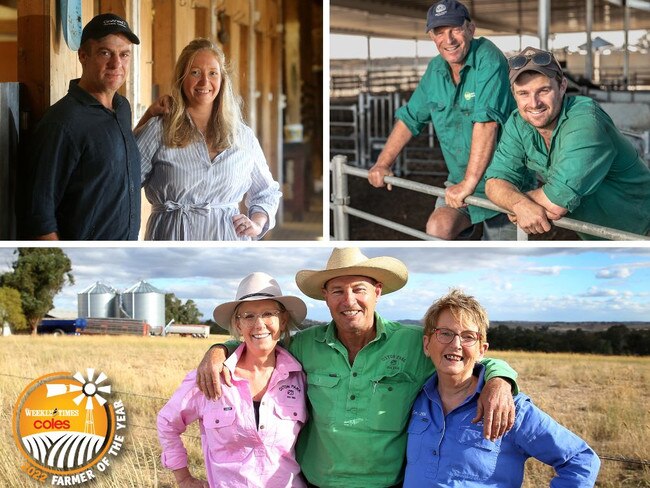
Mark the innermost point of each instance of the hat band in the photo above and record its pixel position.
(257, 295)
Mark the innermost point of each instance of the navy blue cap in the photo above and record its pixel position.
(104, 24)
(446, 13)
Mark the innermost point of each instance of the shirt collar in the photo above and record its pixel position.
(284, 362)
(86, 98)
(430, 388)
(563, 113)
(328, 334)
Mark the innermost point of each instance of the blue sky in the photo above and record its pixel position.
(513, 283)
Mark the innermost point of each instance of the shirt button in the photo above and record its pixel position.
(216, 421)
(435, 453)
(390, 388)
(261, 427)
(295, 414)
(352, 397)
(354, 374)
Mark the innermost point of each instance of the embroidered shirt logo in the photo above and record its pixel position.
(469, 95)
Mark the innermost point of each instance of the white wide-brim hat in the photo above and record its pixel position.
(349, 261)
(260, 286)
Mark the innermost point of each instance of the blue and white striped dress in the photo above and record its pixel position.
(195, 198)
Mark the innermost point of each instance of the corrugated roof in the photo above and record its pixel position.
(407, 19)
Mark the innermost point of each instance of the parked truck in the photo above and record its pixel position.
(192, 330)
(97, 326)
(61, 327)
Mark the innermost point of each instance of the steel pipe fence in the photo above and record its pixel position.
(340, 206)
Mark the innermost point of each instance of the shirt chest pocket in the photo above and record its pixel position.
(477, 456)
(537, 163)
(466, 102)
(295, 412)
(288, 420)
(417, 430)
(323, 392)
(390, 401)
(225, 441)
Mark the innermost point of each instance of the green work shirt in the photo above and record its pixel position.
(591, 169)
(356, 433)
(482, 95)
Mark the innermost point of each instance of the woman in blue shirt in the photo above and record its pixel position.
(446, 449)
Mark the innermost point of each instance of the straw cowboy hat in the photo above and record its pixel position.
(349, 261)
(260, 286)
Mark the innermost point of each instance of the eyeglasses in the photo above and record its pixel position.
(541, 58)
(250, 319)
(445, 336)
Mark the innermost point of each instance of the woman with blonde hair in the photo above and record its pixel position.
(199, 159)
(249, 434)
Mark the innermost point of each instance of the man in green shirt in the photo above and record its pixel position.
(465, 94)
(590, 171)
(363, 374)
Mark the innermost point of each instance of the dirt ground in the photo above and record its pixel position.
(408, 208)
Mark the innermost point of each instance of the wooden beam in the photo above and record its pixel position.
(8, 27)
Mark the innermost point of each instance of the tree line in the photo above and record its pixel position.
(617, 340)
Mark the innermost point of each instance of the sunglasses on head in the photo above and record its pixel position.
(542, 58)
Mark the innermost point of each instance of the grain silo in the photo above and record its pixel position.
(145, 302)
(98, 300)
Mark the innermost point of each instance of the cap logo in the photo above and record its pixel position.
(108, 22)
(441, 10)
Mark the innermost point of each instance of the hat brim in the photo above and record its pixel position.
(100, 34)
(550, 73)
(447, 21)
(391, 272)
(295, 306)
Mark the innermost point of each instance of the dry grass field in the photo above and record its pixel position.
(606, 400)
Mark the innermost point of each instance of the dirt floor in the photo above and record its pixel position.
(408, 208)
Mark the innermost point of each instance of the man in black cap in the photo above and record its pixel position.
(82, 180)
(465, 94)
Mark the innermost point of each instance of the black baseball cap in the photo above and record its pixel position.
(446, 13)
(104, 24)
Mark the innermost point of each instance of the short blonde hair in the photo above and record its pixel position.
(464, 308)
(285, 337)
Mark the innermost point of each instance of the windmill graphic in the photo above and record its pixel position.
(88, 389)
(67, 449)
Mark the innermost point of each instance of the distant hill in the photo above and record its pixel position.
(513, 324)
(562, 326)
(554, 326)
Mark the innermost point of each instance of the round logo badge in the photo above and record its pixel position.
(66, 428)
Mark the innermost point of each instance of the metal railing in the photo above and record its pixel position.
(340, 206)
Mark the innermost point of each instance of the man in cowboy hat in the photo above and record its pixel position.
(363, 374)
(590, 171)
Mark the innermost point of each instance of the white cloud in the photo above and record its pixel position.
(594, 291)
(613, 273)
(544, 270)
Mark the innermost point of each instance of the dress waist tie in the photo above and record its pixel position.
(183, 225)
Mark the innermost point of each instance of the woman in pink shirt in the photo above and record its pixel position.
(249, 434)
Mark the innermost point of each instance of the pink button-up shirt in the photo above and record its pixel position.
(236, 452)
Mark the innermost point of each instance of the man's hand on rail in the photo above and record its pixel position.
(530, 216)
(376, 176)
(455, 195)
